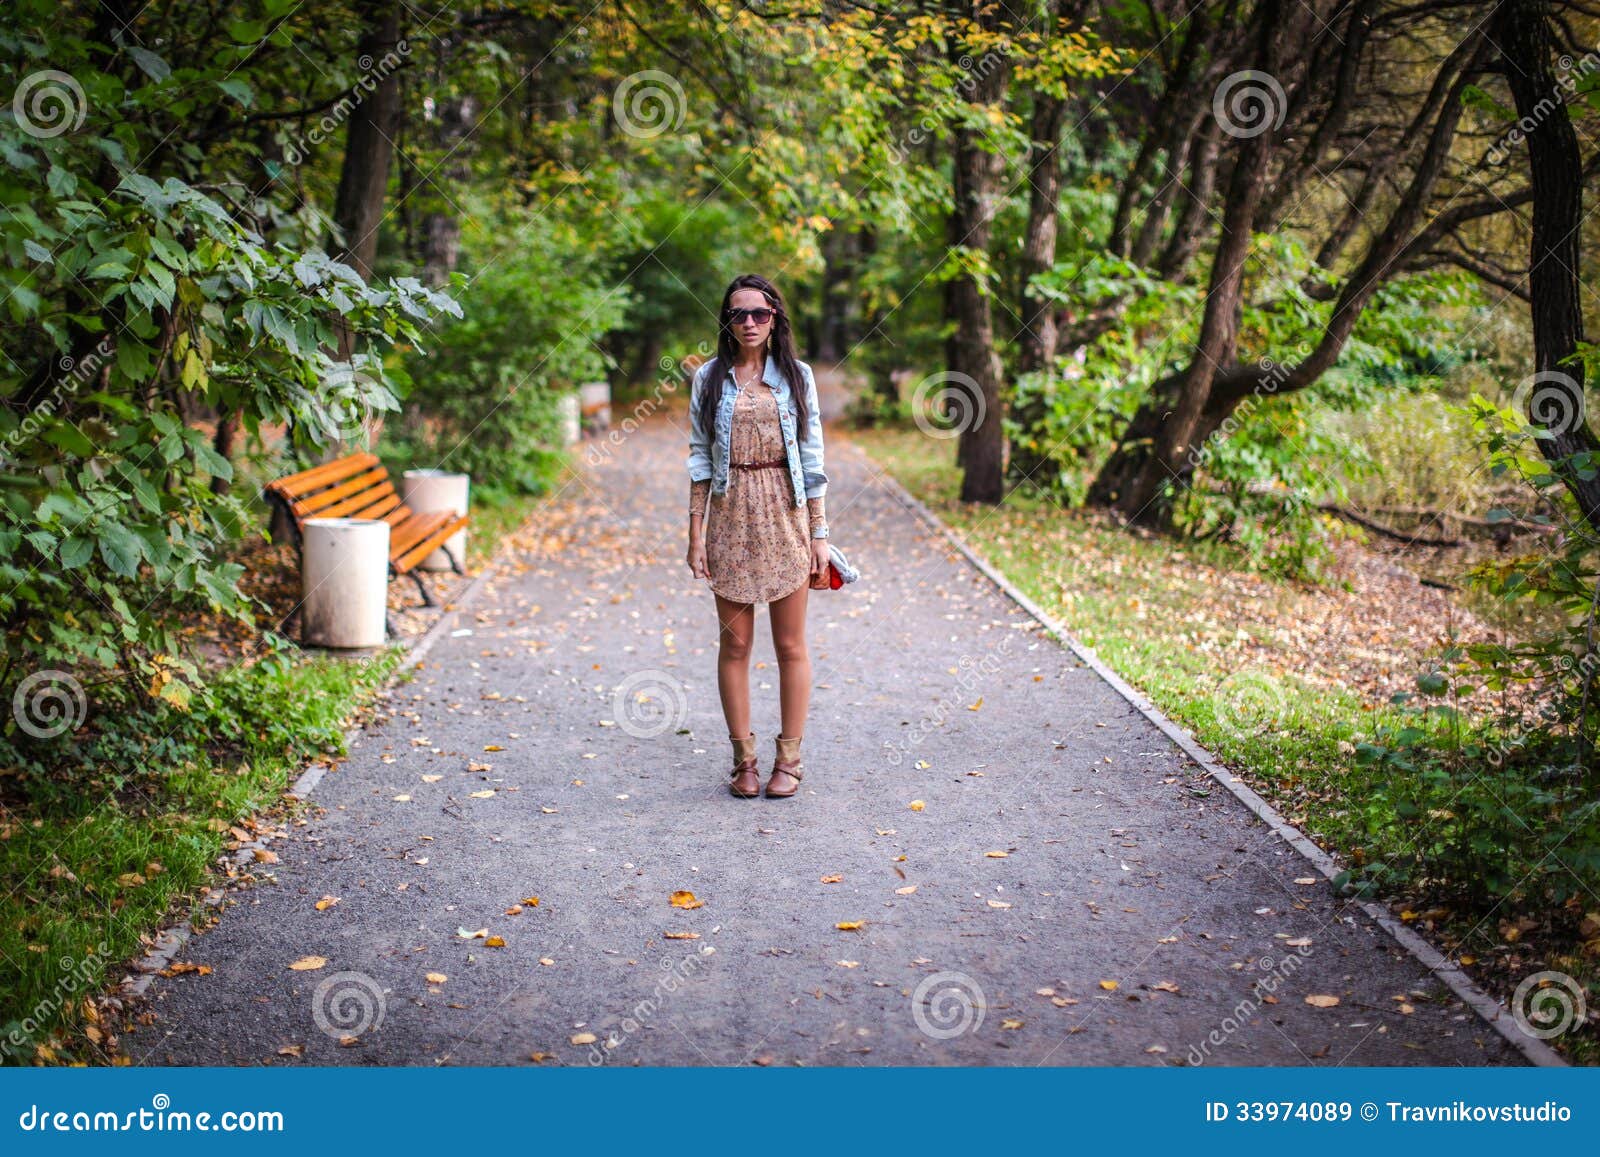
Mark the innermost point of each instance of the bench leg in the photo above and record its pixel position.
(422, 589)
(455, 563)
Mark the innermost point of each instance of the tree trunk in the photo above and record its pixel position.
(1522, 30)
(1145, 495)
(974, 363)
(1036, 344)
(373, 123)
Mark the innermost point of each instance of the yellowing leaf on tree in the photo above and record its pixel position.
(308, 963)
(682, 899)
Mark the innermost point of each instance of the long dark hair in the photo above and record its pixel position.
(780, 344)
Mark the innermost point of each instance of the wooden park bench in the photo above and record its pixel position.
(358, 486)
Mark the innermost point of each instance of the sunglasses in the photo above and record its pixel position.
(759, 316)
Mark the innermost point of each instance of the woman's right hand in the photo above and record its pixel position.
(696, 558)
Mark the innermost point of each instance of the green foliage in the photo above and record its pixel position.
(136, 302)
(485, 390)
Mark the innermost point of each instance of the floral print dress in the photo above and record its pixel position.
(758, 542)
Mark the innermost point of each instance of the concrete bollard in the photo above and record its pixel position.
(344, 582)
(427, 491)
(571, 417)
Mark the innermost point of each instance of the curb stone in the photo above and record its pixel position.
(1451, 975)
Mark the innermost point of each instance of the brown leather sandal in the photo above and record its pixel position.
(787, 763)
(746, 781)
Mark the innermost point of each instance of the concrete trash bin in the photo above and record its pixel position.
(428, 491)
(344, 581)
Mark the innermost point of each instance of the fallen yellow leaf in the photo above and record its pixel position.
(436, 978)
(308, 963)
(482, 794)
(999, 903)
(1109, 985)
(493, 747)
(326, 902)
(831, 879)
(681, 935)
(583, 1038)
(906, 891)
(997, 855)
(849, 925)
(495, 942)
(1011, 1022)
(917, 805)
(682, 899)
(1320, 1001)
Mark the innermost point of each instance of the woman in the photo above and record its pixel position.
(757, 529)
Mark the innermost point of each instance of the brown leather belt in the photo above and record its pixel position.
(773, 465)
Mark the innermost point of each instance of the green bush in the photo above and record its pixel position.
(485, 388)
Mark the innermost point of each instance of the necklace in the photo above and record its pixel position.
(742, 384)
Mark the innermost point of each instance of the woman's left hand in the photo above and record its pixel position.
(819, 558)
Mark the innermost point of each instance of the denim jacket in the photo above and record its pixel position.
(708, 457)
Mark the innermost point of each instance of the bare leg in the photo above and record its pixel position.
(738, 623)
(794, 661)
